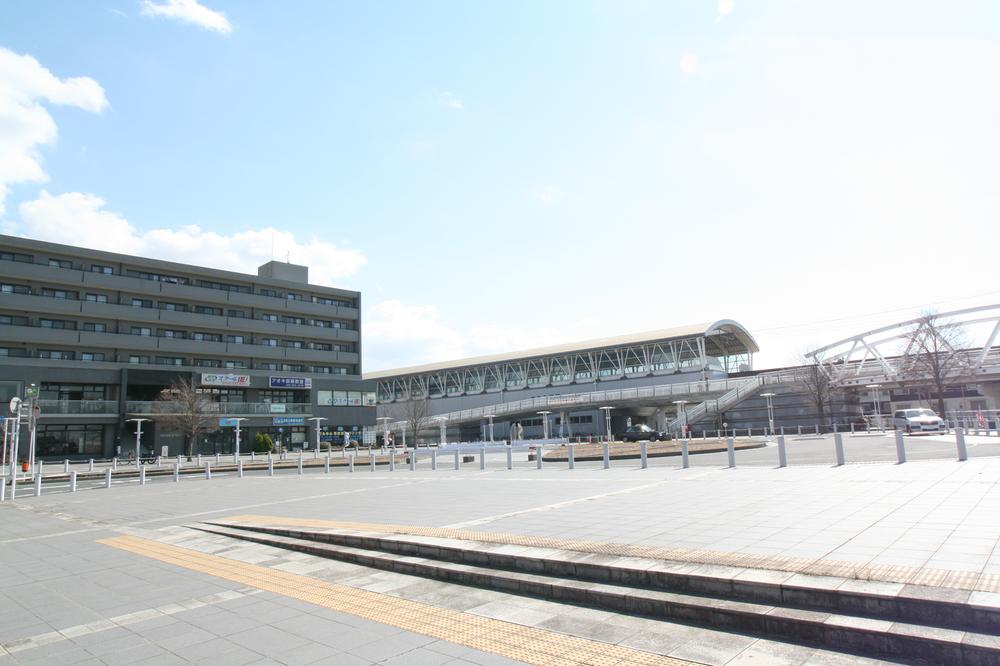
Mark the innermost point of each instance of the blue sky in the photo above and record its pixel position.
(500, 176)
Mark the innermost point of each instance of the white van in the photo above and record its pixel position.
(917, 420)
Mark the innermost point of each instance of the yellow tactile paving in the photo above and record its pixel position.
(514, 641)
(961, 580)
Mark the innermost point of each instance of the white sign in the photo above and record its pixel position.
(213, 379)
(15, 404)
(277, 408)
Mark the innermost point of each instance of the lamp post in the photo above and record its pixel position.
(236, 423)
(878, 407)
(770, 410)
(138, 437)
(545, 423)
(683, 410)
(607, 421)
(316, 425)
(490, 417)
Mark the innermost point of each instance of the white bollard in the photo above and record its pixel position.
(199, 460)
(392, 460)
(208, 470)
(72, 481)
(413, 460)
(900, 447)
(315, 453)
(372, 460)
(179, 459)
(817, 428)
(270, 466)
(252, 456)
(41, 463)
(177, 472)
(326, 464)
(852, 427)
(66, 466)
(236, 457)
(350, 463)
(643, 460)
(38, 485)
(107, 477)
(91, 465)
(434, 457)
(838, 446)
(963, 453)
(510, 457)
(217, 459)
(685, 458)
(482, 458)
(571, 456)
(731, 451)
(607, 456)
(300, 464)
(458, 462)
(142, 475)
(538, 456)
(800, 430)
(239, 468)
(782, 458)
(157, 462)
(114, 463)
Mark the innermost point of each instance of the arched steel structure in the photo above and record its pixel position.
(723, 345)
(886, 353)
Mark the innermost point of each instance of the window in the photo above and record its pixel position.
(15, 256)
(95, 327)
(269, 342)
(322, 323)
(344, 325)
(73, 391)
(267, 366)
(91, 356)
(283, 396)
(141, 330)
(172, 333)
(321, 346)
(333, 301)
(13, 320)
(208, 284)
(293, 344)
(321, 369)
(236, 364)
(206, 337)
(11, 352)
(56, 354)
(293, 297)
(97, 268)
(288, 367)
(135, 359)
(295, 320)
(68, 440)
(268, 292)
(142, 303)
(238, 314)
(236, 339)
(266, 316)
(169, 360)
(204, 309)
(174, 307)
(60, 263)
(57, 323)
(97, 298)
(14, 289)
(60, 293)
(340, 371)
(208, 363)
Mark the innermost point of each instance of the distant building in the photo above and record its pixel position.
(102, 334)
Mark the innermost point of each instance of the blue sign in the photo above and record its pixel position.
(288, 420)
(290, 382)
(227, 423)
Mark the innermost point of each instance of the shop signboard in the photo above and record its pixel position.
(288, 420)
(224, 379)
(228, 423)
(290, 382)
(278, 408)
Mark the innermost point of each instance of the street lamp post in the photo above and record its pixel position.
(236, 422)
(490, 417)
(316, 425)
(684, 420)
(138, 437)
(878, 407)
(545, 423)
(607, 421)
(770, 410)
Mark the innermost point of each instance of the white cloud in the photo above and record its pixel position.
(25, 124)
(547, 194)
(452, 101)
(399, 335)
(725, 9)
(80, 219)
(689, 63)
(189, 11)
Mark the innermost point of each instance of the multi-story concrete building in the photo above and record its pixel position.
(102, 334)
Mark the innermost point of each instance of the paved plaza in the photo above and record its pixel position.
(117, 575)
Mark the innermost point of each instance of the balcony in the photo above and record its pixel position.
(221, 408)
(60, 407)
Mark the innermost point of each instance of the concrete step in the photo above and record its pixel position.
(616, 584)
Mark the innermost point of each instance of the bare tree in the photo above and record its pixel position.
(415, 413)
(934, 353)
(181, 407)
(818, 386)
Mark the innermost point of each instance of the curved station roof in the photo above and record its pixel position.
(724, 337)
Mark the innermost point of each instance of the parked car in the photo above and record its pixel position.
(917, 420)
(639, 432)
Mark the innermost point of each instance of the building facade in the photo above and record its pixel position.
(101, 335)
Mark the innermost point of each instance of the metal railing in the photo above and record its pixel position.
(743, 390)
(222, 408)
(51, 407)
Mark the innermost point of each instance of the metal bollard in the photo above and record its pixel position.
(852, 427)
(239, 468)
(208, 470)
(91, 465)
(107, 477)
(392, 460)
(178, 459)
(413, 460)
(838, 447)
(782, 458)
(510, 458)
(38, 485)
(963, 453)
(114, 463)
(350, 463)
(315, 454)
(326, 464)
(434, 458)
(252, 456)
(749, 433)
(372, 460)
(270, 466)
(834, 428)
(300, 463)
(685, 459)
(571, 456)
(643, 459)
(72, 481)
(217, 459)
(66, 466)
(817, 428)
(782, 430)
(607, 455)
(731, 451)
(142, 475)
(457, 460)
(41, 463)
(177, 472)
(158, 462)
(199, 460)
(538, 456)
(800, 430)
(900, 447)
(718, 434)
(482, 458)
